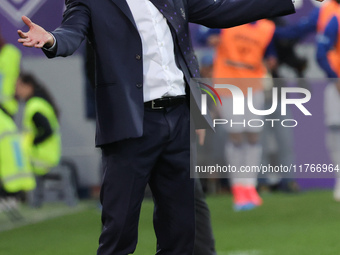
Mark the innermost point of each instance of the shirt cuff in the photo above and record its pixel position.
(53, 46)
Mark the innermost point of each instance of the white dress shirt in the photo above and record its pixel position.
(161, 76)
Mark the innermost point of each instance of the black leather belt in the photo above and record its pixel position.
(164, 102)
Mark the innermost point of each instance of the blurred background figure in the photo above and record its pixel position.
(278, 146)
(212, 151)
(206, 66)
(41, 130)
(316, 22)
(286, 52)
(240, 53)
(328, 56)
(15, 169)
(10, 58)
(277, 141)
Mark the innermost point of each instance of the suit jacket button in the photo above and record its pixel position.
(138, 57)
(139, 85)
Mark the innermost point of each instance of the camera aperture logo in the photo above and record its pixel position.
(204, 96)
(240, 101)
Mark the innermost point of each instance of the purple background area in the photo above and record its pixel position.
(300, 12)
(19, 4)
(309, 137)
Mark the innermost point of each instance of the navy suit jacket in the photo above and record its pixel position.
(110, 27)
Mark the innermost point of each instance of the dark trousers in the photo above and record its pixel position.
(204, 238)
(161, 157)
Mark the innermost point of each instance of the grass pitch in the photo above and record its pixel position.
(303, 224)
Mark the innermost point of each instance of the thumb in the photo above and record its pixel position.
(27, 21)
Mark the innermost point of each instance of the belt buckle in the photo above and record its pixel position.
(155, 107)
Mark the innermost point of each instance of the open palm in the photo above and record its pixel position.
(36, 37)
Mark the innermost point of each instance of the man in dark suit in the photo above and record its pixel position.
(144, 61)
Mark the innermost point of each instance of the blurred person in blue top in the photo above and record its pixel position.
(315, 22)
(329, 45)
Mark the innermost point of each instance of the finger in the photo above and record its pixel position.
(39, 44)
(30, 44)
(27, 45)
(27, 21)
(24, 40)
(22, 34)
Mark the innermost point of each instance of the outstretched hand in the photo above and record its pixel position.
(36, 36)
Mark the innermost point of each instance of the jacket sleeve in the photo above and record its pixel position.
(229, 13)
(73, 29)
(43, 126)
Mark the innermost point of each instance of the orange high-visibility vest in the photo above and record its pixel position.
(334, 54)
(240, 54)
(327, 11)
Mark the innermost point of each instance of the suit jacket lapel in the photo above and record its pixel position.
(124, 7)
(172, 3)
